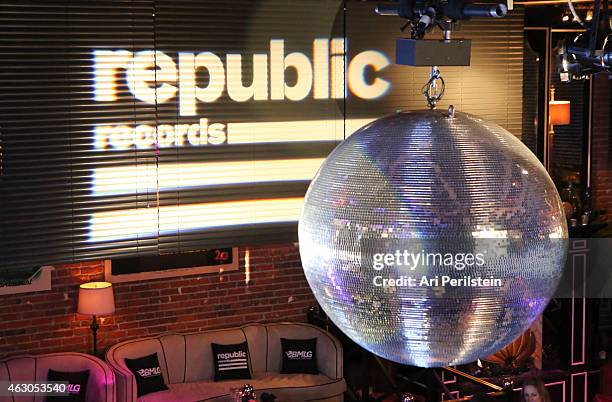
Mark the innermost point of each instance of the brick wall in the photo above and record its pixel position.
(601, 170)
(45, 322)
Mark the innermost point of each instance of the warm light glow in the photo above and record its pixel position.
(147, 222)
(96, 298)
(143, 178)
(559, 112)
(96, 285)
(247, 266)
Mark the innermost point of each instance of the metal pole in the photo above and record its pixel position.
(94, 328)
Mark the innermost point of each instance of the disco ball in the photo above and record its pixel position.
(432, 239)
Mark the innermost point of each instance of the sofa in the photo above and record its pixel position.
(605, 384)
(186, 362)
(35, 368)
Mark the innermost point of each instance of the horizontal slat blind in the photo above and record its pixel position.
(47, 111)
(252, 180)
(491, 87)
(105, 156)
(531, 66)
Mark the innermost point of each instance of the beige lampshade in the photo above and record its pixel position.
(559, 112)
(96, 298)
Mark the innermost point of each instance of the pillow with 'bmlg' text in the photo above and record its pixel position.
(147, 371)
(76, 386)
(231, 361)
(299, 356)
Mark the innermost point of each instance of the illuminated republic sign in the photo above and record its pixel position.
(155, 78)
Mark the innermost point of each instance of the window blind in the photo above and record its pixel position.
(147, 127)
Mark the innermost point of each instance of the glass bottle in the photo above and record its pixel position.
(571, 201)
(585, 217)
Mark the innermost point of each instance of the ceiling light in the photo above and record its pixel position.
(565, 16)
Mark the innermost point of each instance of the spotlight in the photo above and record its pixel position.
(566, 15)
(589, 15)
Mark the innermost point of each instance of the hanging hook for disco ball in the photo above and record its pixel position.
(432, 238)
(434, 89)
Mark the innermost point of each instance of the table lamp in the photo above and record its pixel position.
(558, 115)
(96, 299)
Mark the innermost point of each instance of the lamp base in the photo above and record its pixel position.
(94, 329)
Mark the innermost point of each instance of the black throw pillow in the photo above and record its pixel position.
(231, 361)
(76, 387)
(299, 356)
(149, 377)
